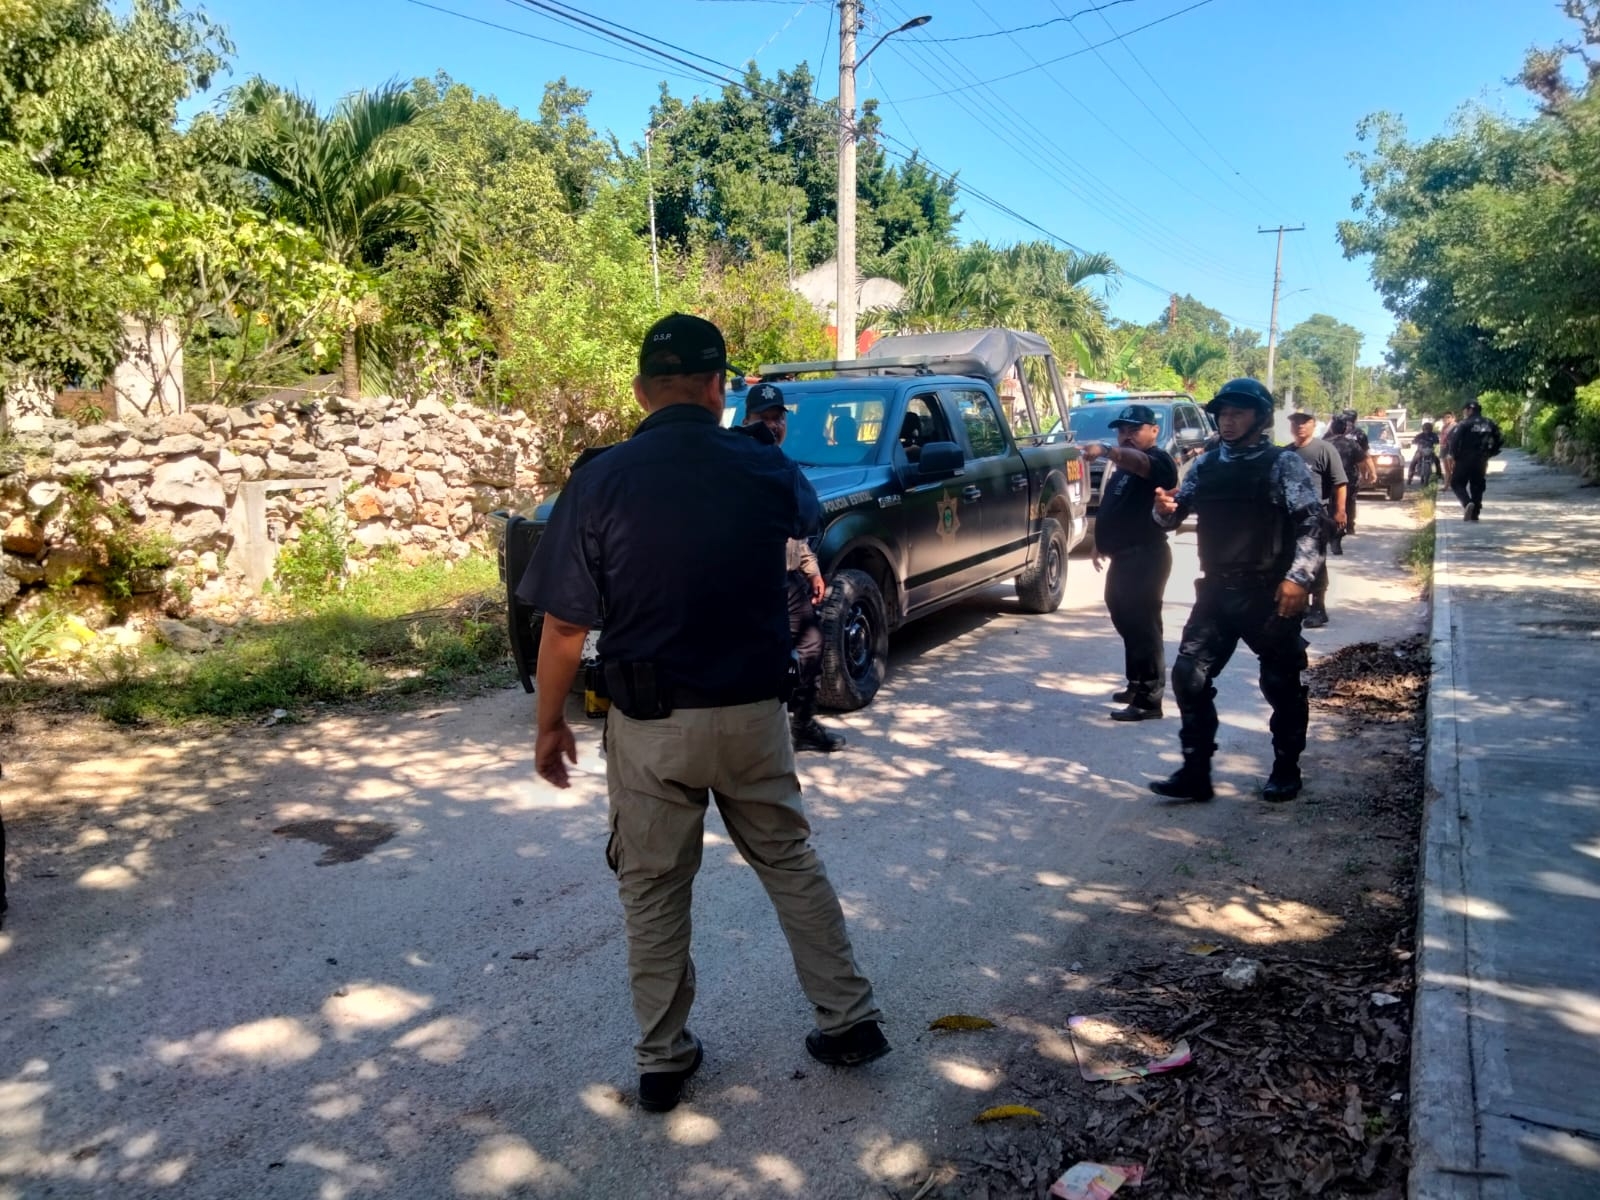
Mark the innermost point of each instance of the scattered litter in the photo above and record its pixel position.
(1096, 1181)
(278, 714)
(1243, 974)
(1006, 1112)
(1384, 999)
(961, 1023)
(1201, 949)
(1106, 1052)
(527, 955)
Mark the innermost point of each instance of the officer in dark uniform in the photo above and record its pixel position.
(1140, 558)
(1259, 521)
(1328, 477)
(764, 406)
(674, 543)
(1474, 440)
(1362, 458)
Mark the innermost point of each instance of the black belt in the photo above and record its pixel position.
(683, 697)
(1237, 581)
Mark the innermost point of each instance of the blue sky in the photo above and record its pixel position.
(1167, 147)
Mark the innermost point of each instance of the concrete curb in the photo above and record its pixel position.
(1444, 1129)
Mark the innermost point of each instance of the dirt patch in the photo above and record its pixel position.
(1298, 1086)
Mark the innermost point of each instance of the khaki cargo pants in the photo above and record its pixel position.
(659, 775)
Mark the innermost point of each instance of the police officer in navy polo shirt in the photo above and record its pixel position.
(1127, 535)
(674, 543)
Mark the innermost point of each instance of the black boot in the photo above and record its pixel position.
(808, 733)
(1192, 781)
(1284, 782)
(1125, 696)
(1316, 616)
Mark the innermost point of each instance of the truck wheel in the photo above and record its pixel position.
(855, 642)
(1397, 489)
(1041, 587)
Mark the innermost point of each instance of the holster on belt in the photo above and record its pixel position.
(637, 689)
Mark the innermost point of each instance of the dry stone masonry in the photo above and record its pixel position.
(225, 487)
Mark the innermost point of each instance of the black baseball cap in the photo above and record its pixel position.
(1134, 414)
(762, 397)
(1296, 417)
(681, 344)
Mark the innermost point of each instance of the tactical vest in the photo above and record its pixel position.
(1243, 531)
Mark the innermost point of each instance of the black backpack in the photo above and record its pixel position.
(1477, 438)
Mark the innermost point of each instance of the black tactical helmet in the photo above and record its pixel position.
(1243, 393)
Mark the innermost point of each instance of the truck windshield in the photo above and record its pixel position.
(1092, 422)
(1378, 431)
(834, 429)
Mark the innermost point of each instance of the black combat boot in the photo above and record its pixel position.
(1316, 615)
(1284, 782)
(808, 733)
(1192, 781)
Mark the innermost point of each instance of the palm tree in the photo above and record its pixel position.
(344, 176)
(1188, 359)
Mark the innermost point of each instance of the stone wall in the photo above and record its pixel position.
(225, 487)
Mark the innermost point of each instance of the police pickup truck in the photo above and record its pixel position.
(936, 480)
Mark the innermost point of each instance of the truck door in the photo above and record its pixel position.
(934, 516)
(995, 487)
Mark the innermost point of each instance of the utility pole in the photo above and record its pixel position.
(1277, 282)
(845, 253)
(1355, 351)
(650, 188)
(1172, 312)
(845, 258)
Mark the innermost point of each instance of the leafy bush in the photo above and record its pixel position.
(314, 565)
(120, 549)
(1542, 427)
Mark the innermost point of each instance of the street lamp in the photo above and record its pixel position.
(845, 256)
(650, 188)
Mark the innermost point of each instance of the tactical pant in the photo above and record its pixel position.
(1319, 583)
(659, 775)
(1467, 481)
(1350, 506)
(1225, 614)
(1136, 581)
(805, 627)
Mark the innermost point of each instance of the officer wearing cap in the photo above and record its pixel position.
(677, 539)
(1259, 522)
(1327, 475)
(1474, 440)
(764, 406)
(1140, 558)
(1366, 473)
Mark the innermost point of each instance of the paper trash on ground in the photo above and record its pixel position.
(1106, 1051)
(1095, 1181)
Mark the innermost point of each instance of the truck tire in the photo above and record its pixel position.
(1397, 489)
(1042, 585)
(855, 642)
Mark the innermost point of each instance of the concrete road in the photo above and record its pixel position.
(419, 989)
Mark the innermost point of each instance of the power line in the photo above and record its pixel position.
(450, 12)
(973, 37)
(1059, 58)
(1145, 104)
(1127, 215)
(1123, 42)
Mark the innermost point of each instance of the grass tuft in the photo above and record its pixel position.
(393, 630)
(1416, 553)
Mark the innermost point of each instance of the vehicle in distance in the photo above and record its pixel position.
(1183, 428)
(1388, 459)
(935, 481)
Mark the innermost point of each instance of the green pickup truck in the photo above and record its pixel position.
(937, 478)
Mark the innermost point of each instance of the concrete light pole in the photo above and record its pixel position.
(1277, 280)
(845, 252)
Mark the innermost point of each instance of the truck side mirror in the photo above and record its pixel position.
(940, 459)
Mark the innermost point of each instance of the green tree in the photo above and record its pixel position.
(1329, 345)
(1189, 358)
(84, 91)
(762, 318)
(345, 176)
(568, 330)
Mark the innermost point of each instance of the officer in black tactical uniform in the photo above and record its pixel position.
(1260, 518)
(1474, 440)
(764, 406)
(1140, 558)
